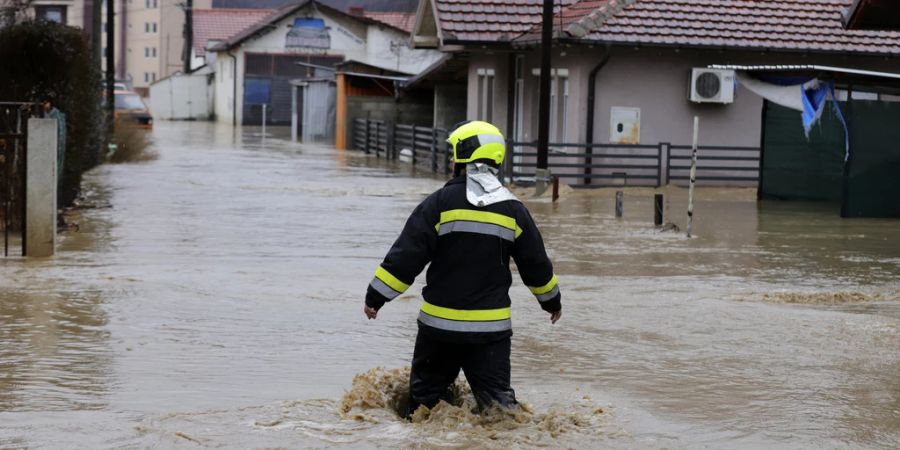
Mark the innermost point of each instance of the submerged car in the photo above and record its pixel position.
(130, 109)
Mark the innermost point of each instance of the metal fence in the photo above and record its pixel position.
(575, 164)
(13, 168)
(637, 165)
(424, 147)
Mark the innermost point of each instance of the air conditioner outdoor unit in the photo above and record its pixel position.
(712, 86)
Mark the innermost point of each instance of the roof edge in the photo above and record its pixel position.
(597, 17)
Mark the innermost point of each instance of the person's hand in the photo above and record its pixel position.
(555, 316)
(371, 313)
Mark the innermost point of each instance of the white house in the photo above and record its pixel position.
(305, 40)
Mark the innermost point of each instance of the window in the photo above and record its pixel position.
(153, 77)
(518, 134)
(154, 27)
(485, 94)
(153, 52)
(150, 4)
(146, 27)
(146, 77)
(559, 104)
(146, 52)
(50, 13)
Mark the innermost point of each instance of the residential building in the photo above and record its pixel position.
(69, 12)
(625, 72)
(302, 41)
(214, 26)
(149, 39)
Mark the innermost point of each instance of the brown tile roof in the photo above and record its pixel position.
(786, 25)
(489, 20)
(399, 20)
(262, 26)
(221, 23)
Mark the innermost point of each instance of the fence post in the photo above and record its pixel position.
(40, 190)
(690, 212)
(377, 136)
(413, 144)
(659, 164)
(620, 200)
(434, 163)
(366, 138)
(390, 141)
(657, 209)
(665, 152)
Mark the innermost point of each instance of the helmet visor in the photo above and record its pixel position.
(466, 147)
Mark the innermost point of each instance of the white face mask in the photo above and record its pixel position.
(482, 186)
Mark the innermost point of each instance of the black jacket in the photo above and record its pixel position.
(467, 284)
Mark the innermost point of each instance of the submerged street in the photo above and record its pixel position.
(214, 298)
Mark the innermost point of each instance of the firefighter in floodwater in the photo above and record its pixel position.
(467, 230)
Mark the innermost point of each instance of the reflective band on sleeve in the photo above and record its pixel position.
(383, 289)
(390, 280)
(476, 315)
(471, 215)
(463, 326)
(545, 288)
(549, 295)
(478, 227)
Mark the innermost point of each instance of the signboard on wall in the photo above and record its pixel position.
(308, 33)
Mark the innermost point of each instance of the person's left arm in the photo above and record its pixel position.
(406, 259)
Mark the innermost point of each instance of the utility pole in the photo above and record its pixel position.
(110, 59)
(188, 6)
(97, 32)
(542, 174)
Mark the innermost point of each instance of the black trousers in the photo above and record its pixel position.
(436, 365)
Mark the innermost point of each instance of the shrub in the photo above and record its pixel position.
(47, 60)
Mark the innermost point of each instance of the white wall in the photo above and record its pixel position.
(181, 97)
(224, 85)
(656, 81)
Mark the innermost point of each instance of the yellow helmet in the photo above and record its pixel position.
(476, 140)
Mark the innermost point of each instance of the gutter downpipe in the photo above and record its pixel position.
(589, 132)
(233, 88)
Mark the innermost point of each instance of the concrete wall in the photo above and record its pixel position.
(449, 105)
(40, 189)
(229, 86)
(405, 111)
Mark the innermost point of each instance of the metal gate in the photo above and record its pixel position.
(13, 159)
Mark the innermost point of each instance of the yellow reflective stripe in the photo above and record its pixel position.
(474, 315)
(390, 280)
(545, 288)
(479, 216)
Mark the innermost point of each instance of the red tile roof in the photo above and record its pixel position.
(799, 25)
(399, 20)
(489, 20)
(220, 24)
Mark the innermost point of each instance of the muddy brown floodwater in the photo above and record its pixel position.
(212, 298)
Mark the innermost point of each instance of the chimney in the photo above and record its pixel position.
(358, 11)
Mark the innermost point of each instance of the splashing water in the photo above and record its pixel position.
(367, 415)
(381, 392)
